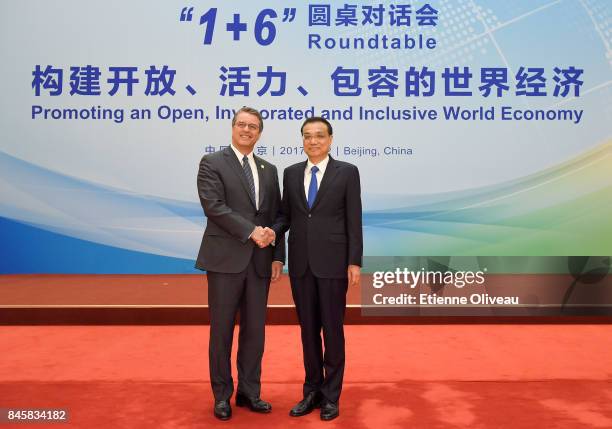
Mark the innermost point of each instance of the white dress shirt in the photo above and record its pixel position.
(253, 170)
(322, 165)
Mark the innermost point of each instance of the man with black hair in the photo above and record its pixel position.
(321, 208)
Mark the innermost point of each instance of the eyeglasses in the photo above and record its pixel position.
(243, 125)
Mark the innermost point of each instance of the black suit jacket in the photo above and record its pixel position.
(328, 237)
(232, 214)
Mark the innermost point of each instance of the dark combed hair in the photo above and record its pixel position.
(330, 130)
(251, 111)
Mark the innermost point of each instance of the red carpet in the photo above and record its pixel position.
(444, 376)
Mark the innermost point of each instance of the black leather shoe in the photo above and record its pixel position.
(257, 405)
(306, 405)
(223, 410)
(329, 410)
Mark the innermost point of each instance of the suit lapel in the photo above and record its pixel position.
(232, 160)
(262, 174)
(328, 177)
(299, 183)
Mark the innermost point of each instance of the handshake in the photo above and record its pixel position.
(263, 236)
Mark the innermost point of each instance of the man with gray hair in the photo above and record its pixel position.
(240, 195)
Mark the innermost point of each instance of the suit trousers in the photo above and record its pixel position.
(321, 305)
(228, 293)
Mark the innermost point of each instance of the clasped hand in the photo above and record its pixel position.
(263, 236)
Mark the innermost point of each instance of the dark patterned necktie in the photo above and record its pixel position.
(249, 176)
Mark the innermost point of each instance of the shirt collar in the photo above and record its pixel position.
(322, 165)
(240, 155)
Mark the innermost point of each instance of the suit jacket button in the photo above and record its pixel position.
(309, 215)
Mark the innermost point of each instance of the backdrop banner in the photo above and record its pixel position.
(481, 129)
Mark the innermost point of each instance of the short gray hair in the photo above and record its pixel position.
(250, 111)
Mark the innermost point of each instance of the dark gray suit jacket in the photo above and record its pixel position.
(232, 215)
